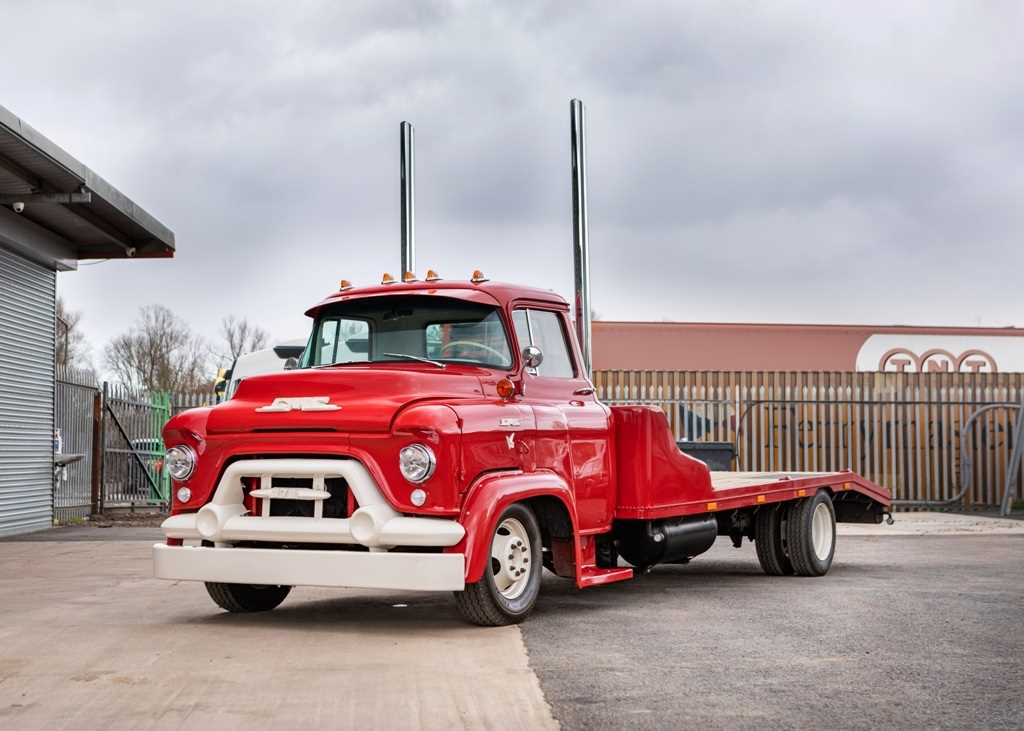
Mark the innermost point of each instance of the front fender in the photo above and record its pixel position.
(488, 497)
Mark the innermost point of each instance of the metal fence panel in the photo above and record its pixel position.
(74, 402)
(133, 451)
(902, 430)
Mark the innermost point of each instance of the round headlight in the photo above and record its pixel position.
(181, 462)
(417, 462)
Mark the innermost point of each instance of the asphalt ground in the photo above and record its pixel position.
(904, 632)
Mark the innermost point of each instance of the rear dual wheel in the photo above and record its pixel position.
(770, 540)
(798, 537)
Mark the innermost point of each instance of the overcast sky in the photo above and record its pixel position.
(768, 162)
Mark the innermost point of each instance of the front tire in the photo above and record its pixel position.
(508, 590)
(243, 598)
(811, 535)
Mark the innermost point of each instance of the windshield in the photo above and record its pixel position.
(408, 328)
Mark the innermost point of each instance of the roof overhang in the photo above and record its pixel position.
(68, 212)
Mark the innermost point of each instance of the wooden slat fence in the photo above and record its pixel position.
(902, 430)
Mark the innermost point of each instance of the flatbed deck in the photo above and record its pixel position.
(741, 489)
(733, 480)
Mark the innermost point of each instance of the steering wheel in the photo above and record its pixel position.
(472, 344)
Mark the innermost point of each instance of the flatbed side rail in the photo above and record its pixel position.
(771, 491)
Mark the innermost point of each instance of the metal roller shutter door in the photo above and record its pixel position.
(27, 293)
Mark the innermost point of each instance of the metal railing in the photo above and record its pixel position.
(116, 434)
(908, 432)
(75, 399)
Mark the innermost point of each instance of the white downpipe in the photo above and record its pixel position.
(211, 519)
(380, 528)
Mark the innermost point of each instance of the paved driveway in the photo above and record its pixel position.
(908, 631)
(904, 632)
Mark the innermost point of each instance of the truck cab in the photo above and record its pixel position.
(444, 435)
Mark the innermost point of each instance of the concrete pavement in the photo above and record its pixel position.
(938, 524)
(89, 640)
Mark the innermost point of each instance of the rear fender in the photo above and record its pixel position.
(488, 497)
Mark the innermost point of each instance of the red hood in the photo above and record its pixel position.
(369, 397)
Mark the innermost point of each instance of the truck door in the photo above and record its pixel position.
(573, 434)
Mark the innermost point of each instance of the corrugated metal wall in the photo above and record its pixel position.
(27, 295)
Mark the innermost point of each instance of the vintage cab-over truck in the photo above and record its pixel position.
(443, 435)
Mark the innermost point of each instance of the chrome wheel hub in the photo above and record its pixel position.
(822, 534)
(510, 558)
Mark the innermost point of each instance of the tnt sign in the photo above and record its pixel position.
(937, 360)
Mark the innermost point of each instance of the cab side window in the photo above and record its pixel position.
(545, 330)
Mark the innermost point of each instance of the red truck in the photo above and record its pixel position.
(445, 435)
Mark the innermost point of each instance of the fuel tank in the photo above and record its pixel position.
(672, 540)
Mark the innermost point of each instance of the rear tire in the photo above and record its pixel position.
(811, 535)
(769, 540)
(246, 597)
(508, 590)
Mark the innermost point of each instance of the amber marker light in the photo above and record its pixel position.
(409, 277)
(506, 389)
(344, 285)
(432, 276)
(478, 276)
(387, 279)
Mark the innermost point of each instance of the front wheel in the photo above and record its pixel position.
(246, 597)
(508, 590)
(811, 535)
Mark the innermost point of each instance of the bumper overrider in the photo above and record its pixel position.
(375, 525)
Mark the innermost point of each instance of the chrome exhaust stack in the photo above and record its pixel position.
(407, 162)
(580, 250)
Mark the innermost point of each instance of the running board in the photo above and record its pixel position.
(594, 576)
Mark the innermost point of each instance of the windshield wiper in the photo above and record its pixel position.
(415, 357)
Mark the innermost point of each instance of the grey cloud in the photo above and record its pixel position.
(746, 159)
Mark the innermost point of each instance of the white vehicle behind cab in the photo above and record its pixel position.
(270, 360)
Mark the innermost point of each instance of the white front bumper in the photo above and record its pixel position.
(374, 524)
(288, 567)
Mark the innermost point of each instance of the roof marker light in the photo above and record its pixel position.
(387, 279)
(432, 276)
(344, 285)
(478, 277)
(409, 277)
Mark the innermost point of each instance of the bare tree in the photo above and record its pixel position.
(71, 350)
(239, 337)
(159, 353)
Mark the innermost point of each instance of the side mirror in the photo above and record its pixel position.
(532, 358)
(291, 364)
